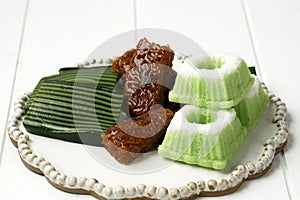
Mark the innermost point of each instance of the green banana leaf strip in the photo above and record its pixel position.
(76, 105)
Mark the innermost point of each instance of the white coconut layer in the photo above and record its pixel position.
(191, 67)
(255, 88)
(220, 119)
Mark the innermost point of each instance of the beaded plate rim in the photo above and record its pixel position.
(93, 187)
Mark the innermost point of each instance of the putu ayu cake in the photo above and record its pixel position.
(218, 81)
(204, 137)
(252, 107)
(207, 132)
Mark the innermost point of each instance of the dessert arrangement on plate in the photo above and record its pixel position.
(197, 111)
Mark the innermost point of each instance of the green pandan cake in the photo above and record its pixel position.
(252, 107)
(204, 137)
(218, 81)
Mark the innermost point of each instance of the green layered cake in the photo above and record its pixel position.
(75, 105)
(218, 81)
(252, 107)
(205, 137)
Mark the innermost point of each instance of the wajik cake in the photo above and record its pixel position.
(128, 140)
(148, 76)
(145, 52)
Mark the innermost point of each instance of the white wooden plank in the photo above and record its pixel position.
(61, 33)
(276, 28)
(57, 34)
(11, 22)
(216, 26)
(48, 61)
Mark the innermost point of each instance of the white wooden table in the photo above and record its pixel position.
(39, 36)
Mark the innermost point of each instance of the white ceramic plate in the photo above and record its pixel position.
(91, 170)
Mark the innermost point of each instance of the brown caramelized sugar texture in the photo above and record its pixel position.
(145, 53)
(144, 97)
(124, 63)
(148, 76)
(147, 85)
(129, 139)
